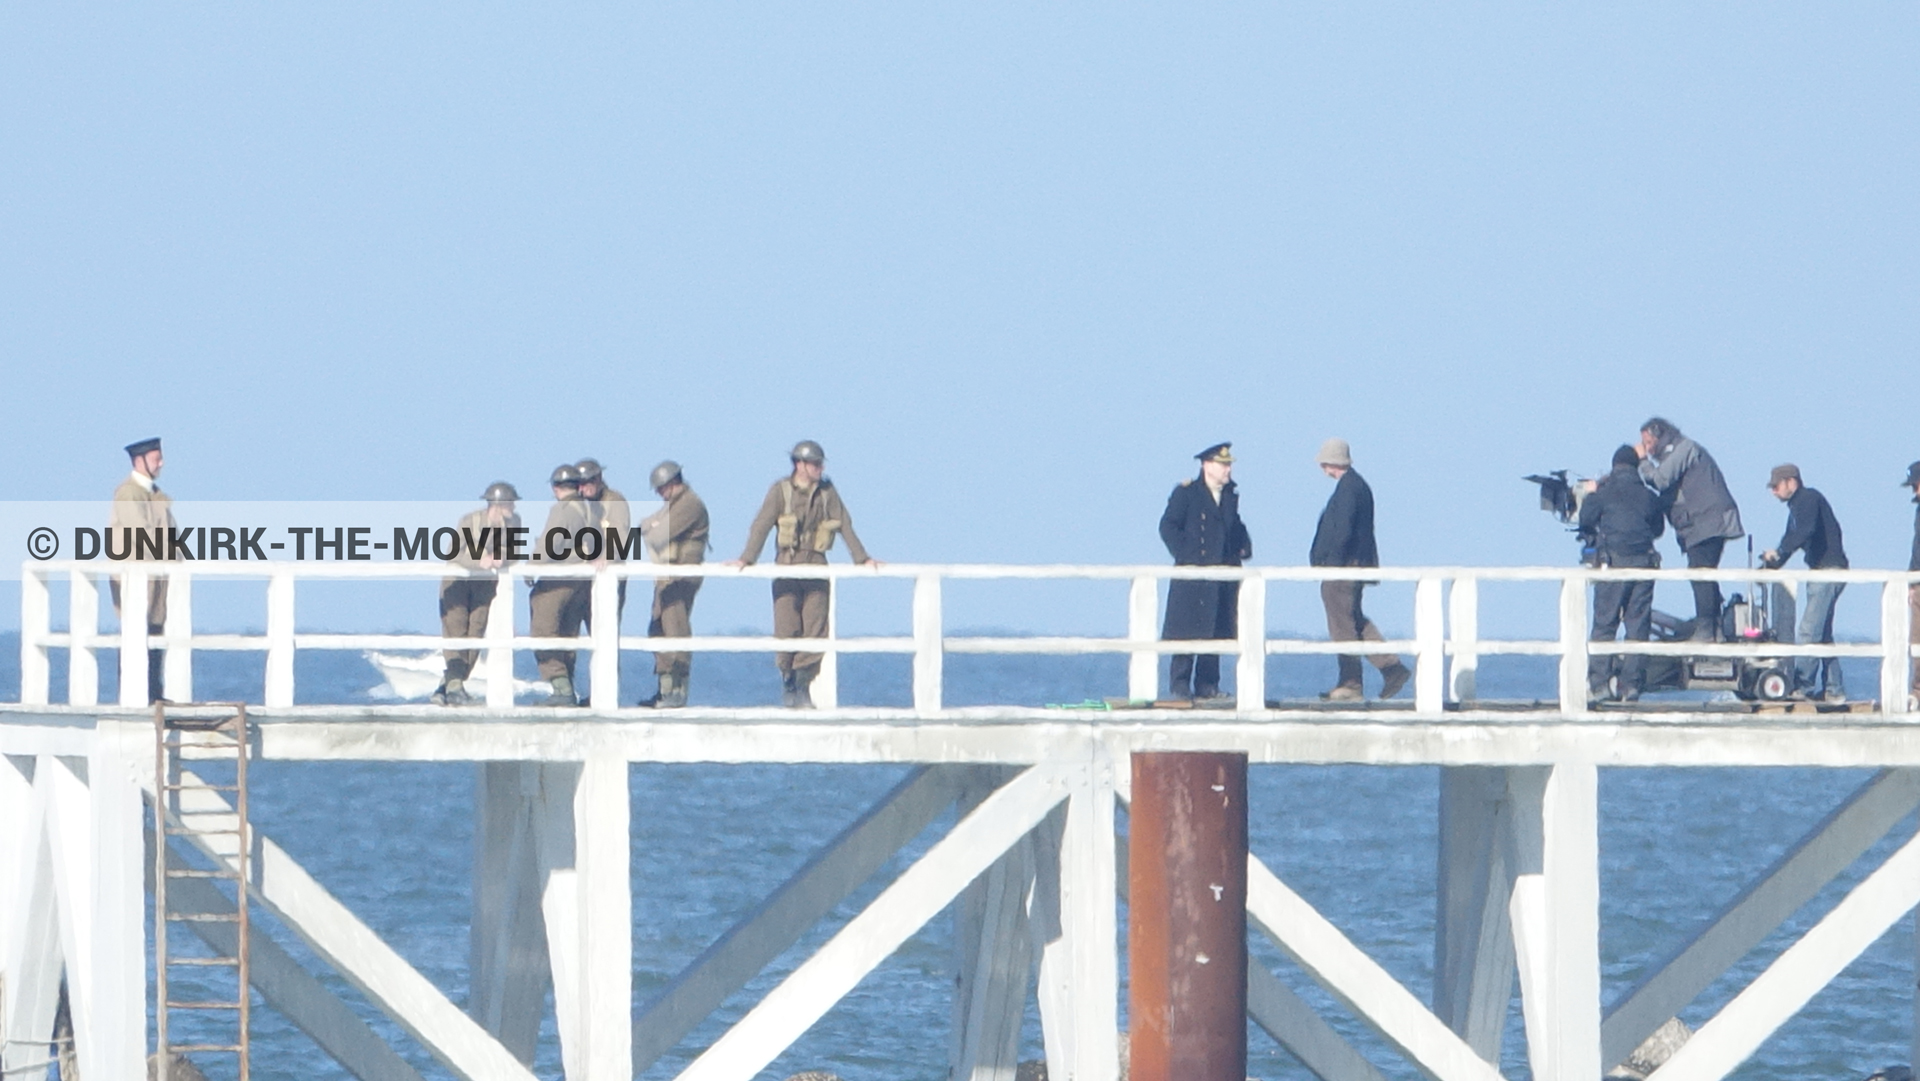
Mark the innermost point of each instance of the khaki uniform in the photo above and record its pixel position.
(465, 602)
(143, 506)
(676, 533)
(559, 606)
(611, 512)
(804, 521)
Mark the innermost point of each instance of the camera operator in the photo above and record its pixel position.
(1621, 518)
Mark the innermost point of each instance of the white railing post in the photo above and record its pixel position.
(83, 623)
(928, 649)
(1143, 665)
(36, 622)
(1896, 652)
(499, 656)
(1463, 616)
(133, 636)
(1250, 668)
(1573, 645)
(826, 685)
(1430, 646)
(604, 667)
(177, 676)
(279, 689)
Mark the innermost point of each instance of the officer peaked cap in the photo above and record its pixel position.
(1219, 452)
(135, 450)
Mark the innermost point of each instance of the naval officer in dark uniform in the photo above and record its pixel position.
(1202, 528)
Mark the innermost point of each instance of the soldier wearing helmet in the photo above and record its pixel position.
(676, 533)
(466, 599)
(608, 512)
(804, 512)
(559, 606)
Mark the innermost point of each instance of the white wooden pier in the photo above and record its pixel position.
(1031, 861)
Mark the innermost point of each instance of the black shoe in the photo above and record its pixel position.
(1393, 679)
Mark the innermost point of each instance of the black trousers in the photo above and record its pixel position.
(1706, 595)
(1195, 675)
(1615, 603)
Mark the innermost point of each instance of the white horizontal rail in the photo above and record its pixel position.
(1457, 643)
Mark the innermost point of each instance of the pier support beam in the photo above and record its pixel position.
(1187, 917)
(1556, 916)
(994, 957)
(587, 897)
(1473, 939)
(508, 964)
(553, 907)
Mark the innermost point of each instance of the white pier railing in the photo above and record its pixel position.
(1446, 645)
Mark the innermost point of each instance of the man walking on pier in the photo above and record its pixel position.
(1344, 538)
(467, 600)
(1813, 531)
(804, 512)
(1621, 516)
(676, 534)
(559, 606)
(141, 508)
(1697, 502)
(1201, 528)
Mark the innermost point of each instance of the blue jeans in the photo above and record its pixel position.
(1816, 628)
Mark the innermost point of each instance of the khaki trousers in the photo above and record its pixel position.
(1347, 623)
(1913, 631)
(559, 609)
(464, 605)
(156, 602)
(673, 618)
(799, 611)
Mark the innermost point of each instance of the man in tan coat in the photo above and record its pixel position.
(466, 600)
(140, 506)
(676, 534)
(559, 606)
(804, 512)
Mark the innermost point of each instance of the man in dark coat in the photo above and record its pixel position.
(1202, 528)
(1699, 505)
(1813, 531)
(1621, 517)
(1344, 538)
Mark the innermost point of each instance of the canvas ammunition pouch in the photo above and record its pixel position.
(787, 527)
(823, 534)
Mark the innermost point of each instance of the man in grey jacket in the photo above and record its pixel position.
(1697, 502)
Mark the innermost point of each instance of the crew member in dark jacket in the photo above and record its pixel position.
(1202, 528)
(1621, 516)
(1344, 538)
(1697, 501)
(1813, 531)
(1913, 564)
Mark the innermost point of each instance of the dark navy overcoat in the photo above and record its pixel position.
(1201, 533)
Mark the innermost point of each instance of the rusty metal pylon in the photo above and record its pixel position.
(187, 806)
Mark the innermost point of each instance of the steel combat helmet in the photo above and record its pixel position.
(586, 469)
(564, 476)
(664, 474)
(500, 492)
(808, 451)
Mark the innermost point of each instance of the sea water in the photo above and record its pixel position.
(393, 840)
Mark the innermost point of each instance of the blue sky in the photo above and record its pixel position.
(1012, 264)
